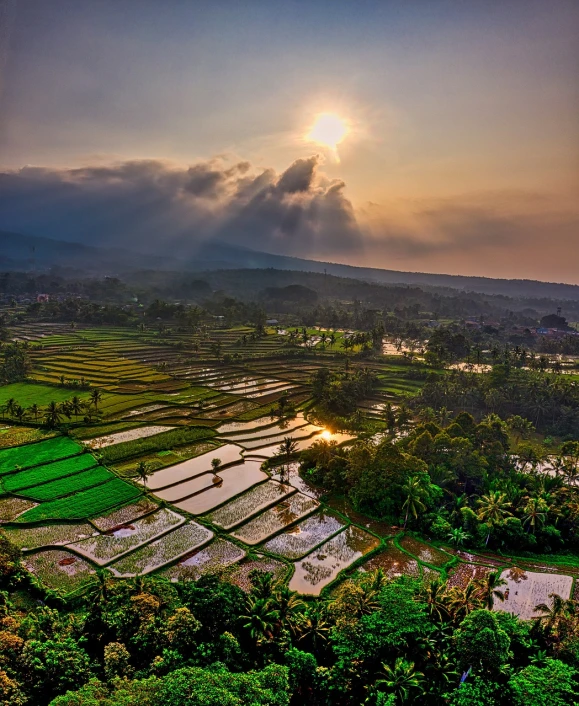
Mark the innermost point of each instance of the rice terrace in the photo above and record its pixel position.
(289, 353)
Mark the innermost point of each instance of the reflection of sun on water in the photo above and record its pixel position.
(327, 435)
(328, 130)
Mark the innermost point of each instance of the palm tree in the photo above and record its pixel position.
(52, 415)
(414, 491)
(461, 602)
(458, 536)
(34, 411)
(535, 512)
(433, 594)
(493, 509)
(401, 679)
(314, 627)
(286, 449)
(489, 588)
(259, 620)
(76, 406)
(95, 397)
(10, 406)
(289, 607)
(143, 471)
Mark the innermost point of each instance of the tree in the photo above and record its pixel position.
(493, 509)
(458, 536)
(143, 471)
(535, 512)
(286, 449)
(489, 588)
(52, 415)
(414, 491)
(554, 684)
(481, 643)
(96, 397)
(34, 411)
(215, 464)
(76, 406)
(259, 619)
(401, 679)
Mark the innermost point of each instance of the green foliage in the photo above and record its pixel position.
(482, 644)
(553, 684)
(198, 687)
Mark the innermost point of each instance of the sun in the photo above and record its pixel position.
(328, 130)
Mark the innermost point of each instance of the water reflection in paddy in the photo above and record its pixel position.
(229, 453)
(236, 479)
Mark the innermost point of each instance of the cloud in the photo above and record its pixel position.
(152, 205)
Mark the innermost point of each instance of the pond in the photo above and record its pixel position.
(322, 566)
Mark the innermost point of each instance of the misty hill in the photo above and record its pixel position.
(28, 253)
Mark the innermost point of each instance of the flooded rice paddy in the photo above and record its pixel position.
(322, 566)
(249, 504)
(393, 563)
(210, 559)
(527, 589)
(285, 513)
(120, 437)
(307, 534)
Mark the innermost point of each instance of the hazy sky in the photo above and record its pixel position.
(462, 154)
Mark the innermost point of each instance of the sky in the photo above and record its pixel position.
(157, 124)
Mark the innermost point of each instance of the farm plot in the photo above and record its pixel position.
(249, 504)
(424, 552)
(104, 548)
(229, 453)
(305, 536)
(276, 519)
(168, 548)
(59, 569)
(274, 430)
(87, 503)
(11, 507)
(129, 435)
(21, 480)
(393, 563)
(301, 433)
(239, 574)
(125, 515)
(15, 436)
(292, 476)
(49, 535)
(302, 444)
(180, 436)
(26, 394)
(262, 422)
(463, 574)
(72, 484)
(236, 479)
(527, 589)
(37, 454)
(211, 559)
(188, 487)
(323, 565)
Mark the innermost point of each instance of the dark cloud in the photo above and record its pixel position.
(152, 205)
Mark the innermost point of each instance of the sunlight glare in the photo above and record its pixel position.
(328, 130)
